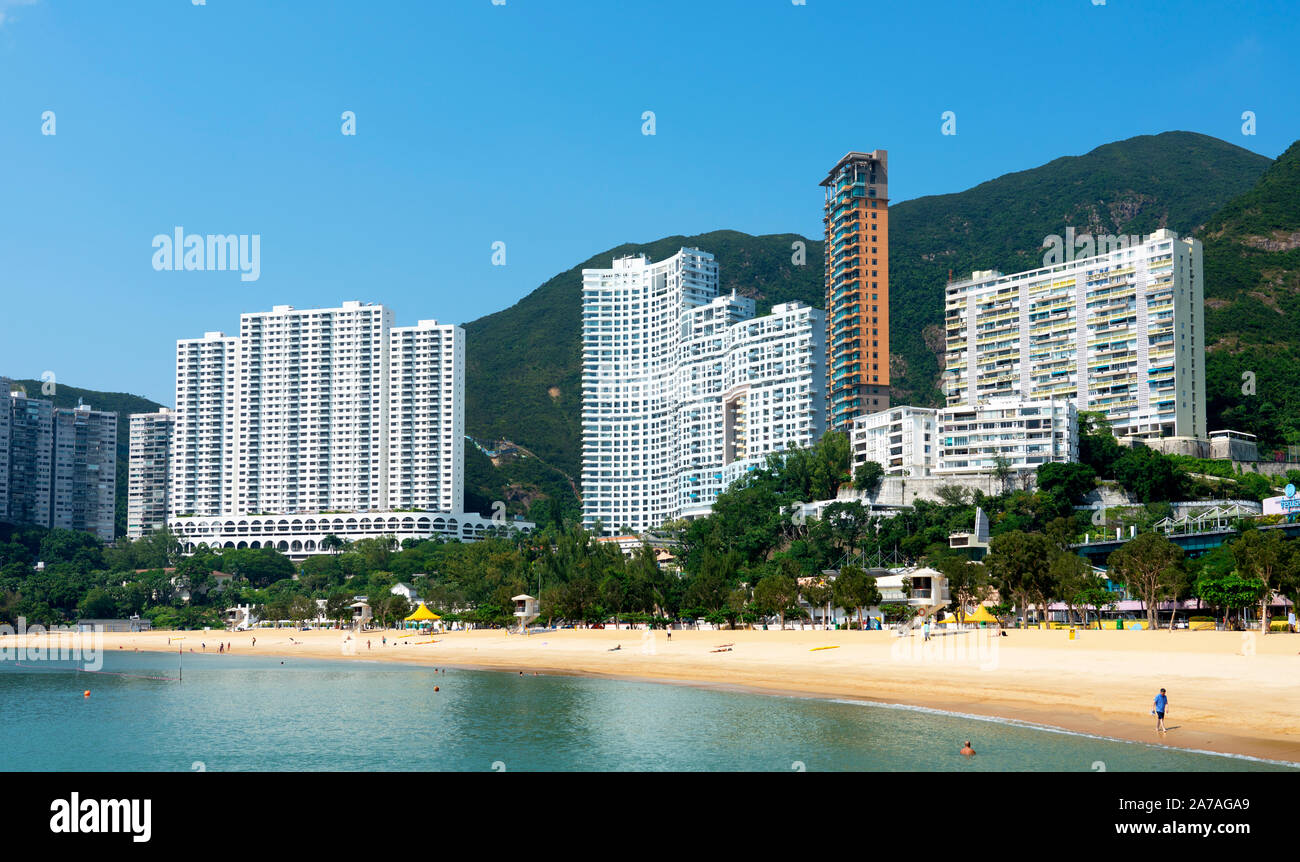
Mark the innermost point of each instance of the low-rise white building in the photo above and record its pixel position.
(974, 438)
(901, 440)
(302, 536)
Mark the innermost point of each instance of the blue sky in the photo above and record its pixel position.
(522, 123)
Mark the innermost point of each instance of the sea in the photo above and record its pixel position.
(244, 713)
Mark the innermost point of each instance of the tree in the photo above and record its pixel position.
(1002, 471)
(1072, 481)
(613, 595)
(968, 582)
(818, 593)
(1268, 559)
(1227, 591)
(1150, 565)
(776, 592)
(854, 588)
(867, 477)
(1020, 566)
(1076, 584)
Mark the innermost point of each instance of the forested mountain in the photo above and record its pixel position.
(524, 363)
(1252, 307)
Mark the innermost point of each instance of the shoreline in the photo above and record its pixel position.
(1229, 695)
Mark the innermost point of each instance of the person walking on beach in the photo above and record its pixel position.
(925, 629)
(1161, 703)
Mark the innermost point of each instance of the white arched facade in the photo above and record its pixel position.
(301, 535)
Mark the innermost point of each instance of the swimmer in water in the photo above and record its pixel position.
(967, 750)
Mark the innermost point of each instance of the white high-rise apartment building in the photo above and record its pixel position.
(683, 389)
(319, 411)
(902, 440)
(203, 457)
(773, 398)
(313, 409)
(1121, 332)
(426, 432)
(148, 475)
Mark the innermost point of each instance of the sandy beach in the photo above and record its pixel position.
(1228, 692)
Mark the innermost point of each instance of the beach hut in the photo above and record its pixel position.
(422, 616)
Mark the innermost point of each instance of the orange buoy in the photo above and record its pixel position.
(435, 688)
(86, 693)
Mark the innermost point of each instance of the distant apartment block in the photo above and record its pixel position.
(31, 458)
(58, 466)
(1121, 332)
(856, 215)
(684, 390)
(902, 440)
(310, 412)
(148, 474)
(85, 471)
(1020, 435)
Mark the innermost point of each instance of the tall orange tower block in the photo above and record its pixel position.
(857, 288)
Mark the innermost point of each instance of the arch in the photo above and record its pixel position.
(296, 546)
(282, 545)
(309, 545)
(255, 545)
(242, 546)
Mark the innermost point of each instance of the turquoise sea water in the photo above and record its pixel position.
(244, 713)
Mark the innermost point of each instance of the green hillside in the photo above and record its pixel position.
(524, 363)
(121, 403)
(1252, 307)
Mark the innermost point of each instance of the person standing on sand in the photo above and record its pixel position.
(925, 629)
(1160, 704)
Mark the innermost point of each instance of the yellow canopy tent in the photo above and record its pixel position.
(981, 615)
(422, 615)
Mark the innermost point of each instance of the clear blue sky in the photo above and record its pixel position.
(522, 123)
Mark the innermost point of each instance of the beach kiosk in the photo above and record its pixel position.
(422, 617)
(527, 609)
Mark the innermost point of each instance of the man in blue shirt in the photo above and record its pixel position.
(1160, 704)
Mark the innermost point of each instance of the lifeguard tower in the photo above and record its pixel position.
(527, 609)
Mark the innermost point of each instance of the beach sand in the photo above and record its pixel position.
(1228, 692)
